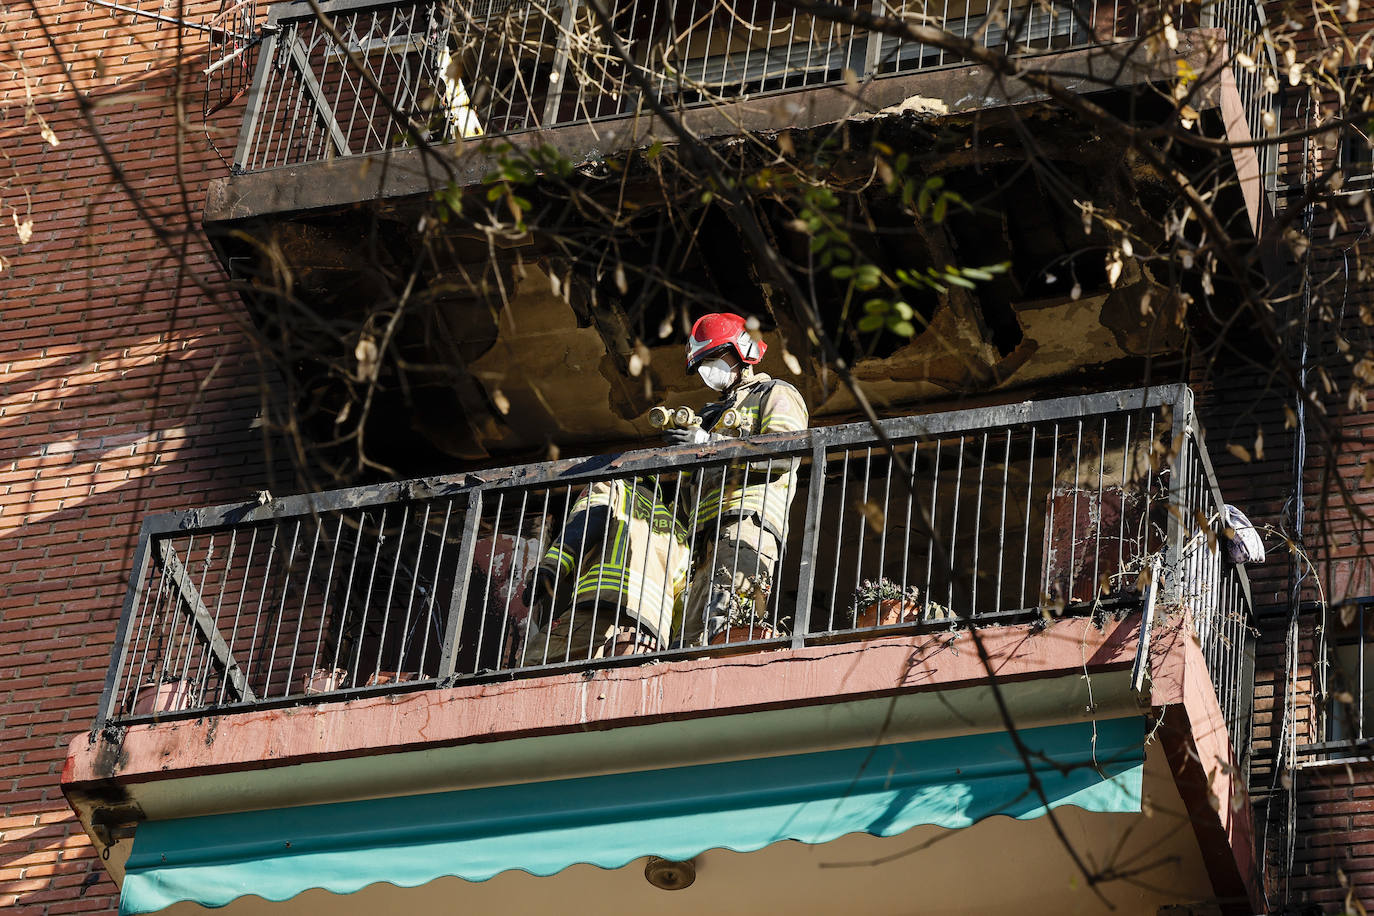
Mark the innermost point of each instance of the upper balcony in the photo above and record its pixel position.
(354, 102)
(1061, 561)
(357, 213)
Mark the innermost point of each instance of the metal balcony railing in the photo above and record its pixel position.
(1002, 514)
(371, 75)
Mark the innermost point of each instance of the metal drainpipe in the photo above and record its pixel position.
(1289, 752)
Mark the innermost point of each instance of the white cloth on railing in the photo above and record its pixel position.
(1244, 544)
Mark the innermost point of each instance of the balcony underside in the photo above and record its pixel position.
(650, 718)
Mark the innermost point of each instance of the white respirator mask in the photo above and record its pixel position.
(716, 373)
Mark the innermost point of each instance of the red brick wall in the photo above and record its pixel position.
(1334, 551)
(1334, 855)
(125, 389)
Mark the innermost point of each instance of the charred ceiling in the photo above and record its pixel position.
(506, 319)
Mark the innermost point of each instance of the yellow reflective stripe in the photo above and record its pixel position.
(642, 592)
(560, 556)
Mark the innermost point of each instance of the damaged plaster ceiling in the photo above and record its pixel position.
(523, 347)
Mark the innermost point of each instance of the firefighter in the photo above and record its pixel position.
(609, 583)
(740, 512)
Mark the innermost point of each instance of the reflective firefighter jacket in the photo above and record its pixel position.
(621, 556)
(764, 487)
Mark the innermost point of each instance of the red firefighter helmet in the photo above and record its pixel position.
(713, 333)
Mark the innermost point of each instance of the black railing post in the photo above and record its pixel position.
(1179, 522)
(453, 629)
(806, 563)
(253, 102)
(109, 696)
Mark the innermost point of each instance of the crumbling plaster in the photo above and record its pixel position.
(563, 387)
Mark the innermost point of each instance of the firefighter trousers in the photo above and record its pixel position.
(737, 564)
(586, 632)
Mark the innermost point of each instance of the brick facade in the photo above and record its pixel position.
(126, 387)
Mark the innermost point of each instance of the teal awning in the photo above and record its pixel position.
(612, 820)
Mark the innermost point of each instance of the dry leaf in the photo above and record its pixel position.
(498, 397)
(46, 132)
(367, 355)
(620, 282)
(1347, 613)
(791, 362)
(872, 513)
(885, 173)
(1364, 370)
(1259, 444)
(1144, 577)
(1239, 451)
(24, 229)
(639, 358)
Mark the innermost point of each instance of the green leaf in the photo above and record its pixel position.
(938, 214)
(959, 281)
(903, 310)
(870, 323)
(867, 276)
(974, 273)
(904, 328)
(875, 306)
(842, 272)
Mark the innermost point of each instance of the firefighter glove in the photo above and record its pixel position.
(693, 436)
